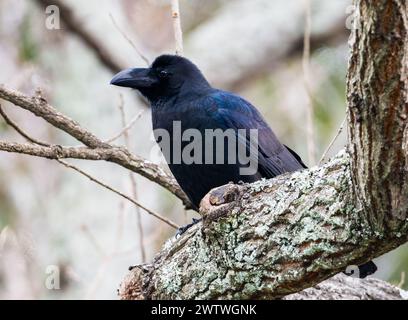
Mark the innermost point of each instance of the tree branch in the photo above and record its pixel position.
(339, 287)
(97, 149)
(342, 287)
(269, 239)
(178, 33)
(90, 177)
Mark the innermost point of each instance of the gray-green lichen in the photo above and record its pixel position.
(279, 236)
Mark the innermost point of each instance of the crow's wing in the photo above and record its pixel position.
(227, 110)
(298, 158)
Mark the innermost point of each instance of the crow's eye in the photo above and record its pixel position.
(163, 74)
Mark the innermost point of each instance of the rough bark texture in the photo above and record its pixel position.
(342, 287)
(378, 109)
(268, 239)
(339, 287)
(278, 237)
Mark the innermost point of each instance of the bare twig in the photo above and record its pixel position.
(92, 239)
(133, 186)
(12, 124)
(97, 149)
(158, 216)
(57, 152)
(339, 131)
(311, 148)
(178, 33)
(119, 229)
(138, 51)
(126, 127)
(402, 280)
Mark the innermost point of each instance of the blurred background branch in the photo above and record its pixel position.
(75, 25)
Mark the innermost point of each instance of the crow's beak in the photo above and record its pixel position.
(134, 78)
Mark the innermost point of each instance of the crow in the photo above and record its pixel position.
(186, 107)
(178, 92)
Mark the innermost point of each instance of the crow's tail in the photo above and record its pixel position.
(364, 270)
(367, 269)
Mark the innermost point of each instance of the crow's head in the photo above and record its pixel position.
(169, 75)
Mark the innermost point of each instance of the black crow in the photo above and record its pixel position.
(185, 106)
(182, 99)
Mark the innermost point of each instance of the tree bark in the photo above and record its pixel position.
(342, 287)
(378, 107)
(276, 237)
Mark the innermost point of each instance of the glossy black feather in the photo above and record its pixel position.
(217, 109)
(178, 91)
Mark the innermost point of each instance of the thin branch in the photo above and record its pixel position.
(311, 147)
(126, 127)
(178, 33)
(402, 280)
(133, 186)
(95, 45)
(98, 149)
(12, 124)
(58, 153)
(339, 131)
(157, 215)
(92, 239)
(138, 51)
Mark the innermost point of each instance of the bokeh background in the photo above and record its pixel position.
(52, 216)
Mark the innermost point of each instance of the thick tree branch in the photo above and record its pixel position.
(277, 237)
(97, 149)
(339, 287)
(269, 239)
(342, 287)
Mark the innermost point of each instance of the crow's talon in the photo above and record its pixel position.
(183, 229)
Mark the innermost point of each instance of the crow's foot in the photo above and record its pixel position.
(183, 229)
